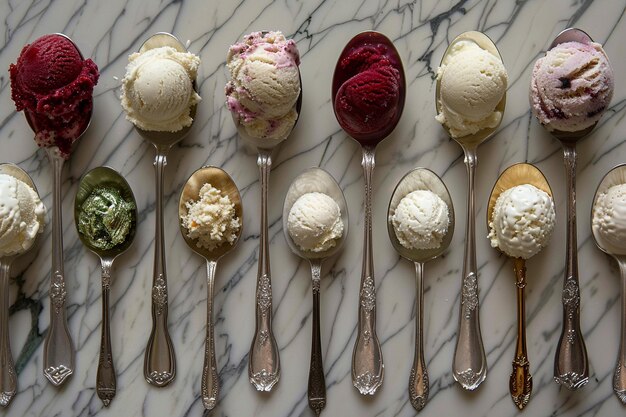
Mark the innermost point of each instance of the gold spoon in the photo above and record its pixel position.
(520, 382)
(219, 179)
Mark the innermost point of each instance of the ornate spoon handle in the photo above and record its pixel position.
(58, 351)
(160, 361)
(570, 365)
(8, 377)
(619, 377)
(520, 382)
(210, 379)
(106, 385)
(317, 382)
(470, 364)
(418, 381)
(367, 358)
(264, 365)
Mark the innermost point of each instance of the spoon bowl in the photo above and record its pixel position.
(106, 380)
(616, 176)
(520, 382)
(487, 44)
(219, 179)
(419, 179)
(8, 375)
(310, 181)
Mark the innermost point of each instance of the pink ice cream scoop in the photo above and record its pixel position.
(571, 86)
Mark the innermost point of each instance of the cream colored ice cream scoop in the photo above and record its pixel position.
(520, 215)
(314, 222)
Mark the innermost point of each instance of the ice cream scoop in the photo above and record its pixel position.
(22, 221)
(368, 95)
(469, 367)
(254, 102)
(310, 186)
(192, 191)
(571, 368)
(520, 216)
(106, 220)
(608, 226)
(53, 84)
(416, 184)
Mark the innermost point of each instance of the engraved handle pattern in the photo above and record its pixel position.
(58, 351)
(367, 357)
(317, 383)
(106, 385)
(521, 382)
(570, 365)
(470, 363)
(8, 377)
(418, 381)
(619, 377)
(160, 360)
(210, 378)
(264, 364)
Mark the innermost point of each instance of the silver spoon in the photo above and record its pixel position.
(469, 367)
(58, 350)
(106, 386)
(219, 179)
(8, 376)
(520, 381)
(367, 357)
(160, 360)
(571, 368)
(615, 176)
(315, 180)
(264, 359)
(419, 179)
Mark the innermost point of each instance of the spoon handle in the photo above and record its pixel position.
(520, 382)
(418, 381)
(470, 364)
(367, 357)
(58, 351)
(160, 361)
(264, 364)
(317, 382)
(210, 378)
(570, 365)
(106, 385)
(8, 377)
(619, 377)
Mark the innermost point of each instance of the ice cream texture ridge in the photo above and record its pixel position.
(609, 219)
(105, 218)
(314, 222)
(53, 84)
(22, 216)
(571, 86)
(522, 221)
(421, 220)
(472, 84)
(211, 220)
(265, 84)
(157, 90)
(368, 100)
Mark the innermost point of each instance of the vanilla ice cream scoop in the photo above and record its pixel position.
(157, 90)
(22, 216)
(473, 81)
(421, 220)
(314, 222)
(609, 219)
(522, 221)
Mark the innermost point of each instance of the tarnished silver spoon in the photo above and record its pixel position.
(106, 385)
(219, 179)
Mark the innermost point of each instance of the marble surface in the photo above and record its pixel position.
(421, 30)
